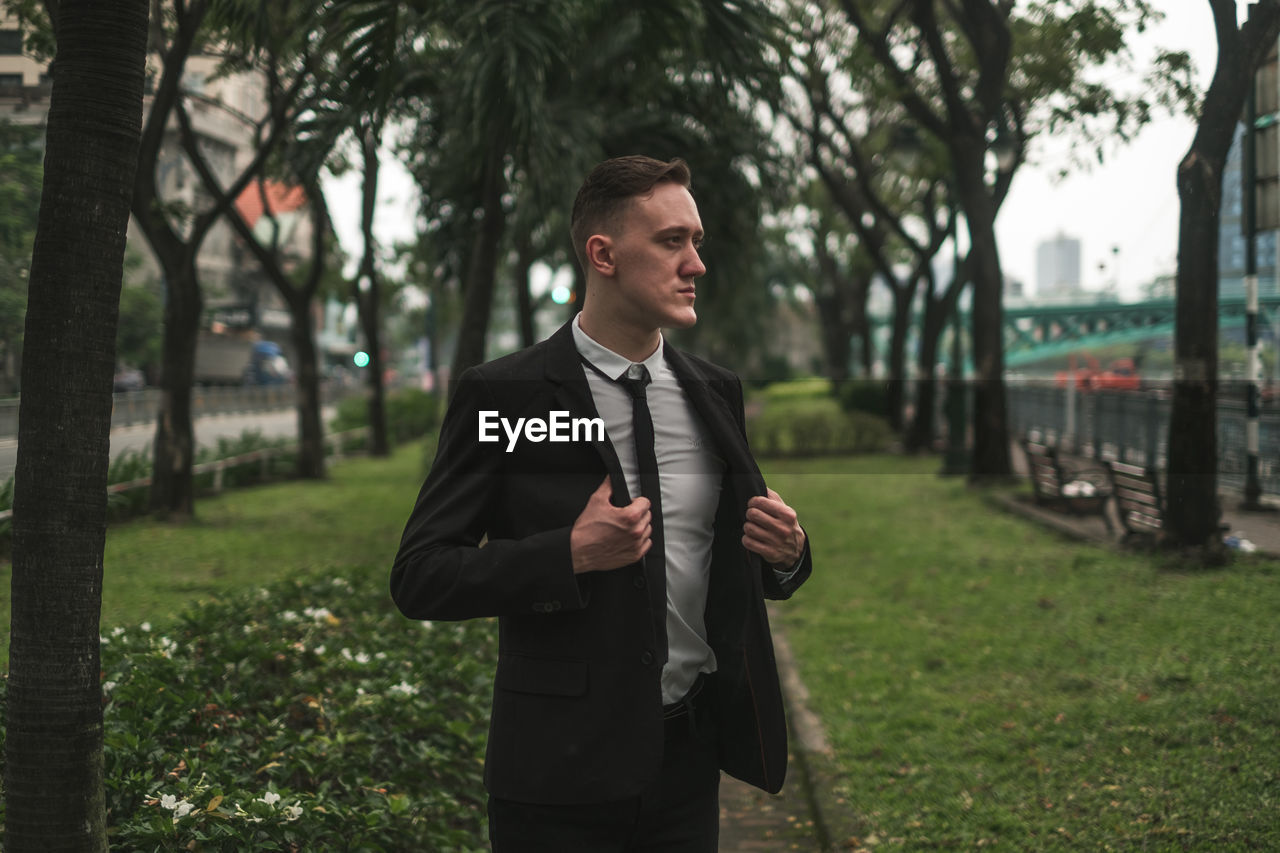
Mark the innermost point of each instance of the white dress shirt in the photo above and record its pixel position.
(690, 474)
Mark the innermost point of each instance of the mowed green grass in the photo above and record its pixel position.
(247, 537)
(985, 682)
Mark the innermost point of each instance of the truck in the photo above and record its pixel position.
(239, 359)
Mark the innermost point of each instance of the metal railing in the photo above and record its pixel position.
(337, 443)
(1133, 426)
(140, 407)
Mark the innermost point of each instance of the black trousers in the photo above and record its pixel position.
(678, 813)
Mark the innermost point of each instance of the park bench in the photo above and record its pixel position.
(1054, 487)
(1139, 503)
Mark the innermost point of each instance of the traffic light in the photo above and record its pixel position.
(361, 359)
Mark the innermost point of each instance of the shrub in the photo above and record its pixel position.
(815, 427)
(411, 413)
(864, 395)
(305, 716)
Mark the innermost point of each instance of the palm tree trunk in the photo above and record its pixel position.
(369, 298)
(481, 272)
(53, 782)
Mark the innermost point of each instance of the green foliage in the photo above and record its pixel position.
(411, 414)
(864, 395)
(814, 426)
(21, 179)
(306, 715)
(984, 683)
(140, 332)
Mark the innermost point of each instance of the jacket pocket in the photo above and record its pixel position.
(546, 676)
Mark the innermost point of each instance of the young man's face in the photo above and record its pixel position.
(656, 259)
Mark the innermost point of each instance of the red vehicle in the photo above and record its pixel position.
(1120, 375)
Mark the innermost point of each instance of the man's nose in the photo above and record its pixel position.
(693, 266)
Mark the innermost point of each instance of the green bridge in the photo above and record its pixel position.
(1035, 333)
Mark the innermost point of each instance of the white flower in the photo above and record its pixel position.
(270, 798)
(363, 657)
(108, 686)
(406, 689)
(169, 801)
(346, 654)
(426, 623)
(381, 656)
(318, 650)
(319, 614)
(184, 808)
(290, 616)
(102, 639)
(146, 626)
(117, 631)
(292, 812)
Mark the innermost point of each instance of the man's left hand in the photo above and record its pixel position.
(773, 531)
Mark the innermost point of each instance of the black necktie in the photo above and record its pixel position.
(646, 459)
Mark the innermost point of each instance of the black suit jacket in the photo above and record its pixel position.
(577, 707)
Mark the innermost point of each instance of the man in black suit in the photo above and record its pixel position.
(595, 492)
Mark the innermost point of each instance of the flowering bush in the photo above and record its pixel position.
(306, 716)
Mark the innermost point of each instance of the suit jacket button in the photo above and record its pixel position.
(638, 581)
(646, 658)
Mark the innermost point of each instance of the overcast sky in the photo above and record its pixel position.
(1129, 202)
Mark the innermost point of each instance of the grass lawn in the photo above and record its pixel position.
(247, 537)
(983, 681)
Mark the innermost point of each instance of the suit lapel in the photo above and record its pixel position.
(720, 420)
(564, 369)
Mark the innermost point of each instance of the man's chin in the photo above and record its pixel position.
(682, 320)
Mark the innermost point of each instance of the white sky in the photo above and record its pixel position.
(1129, 202)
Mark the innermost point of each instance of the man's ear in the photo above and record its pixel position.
(600, 255)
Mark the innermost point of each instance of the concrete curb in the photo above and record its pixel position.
(834, 820)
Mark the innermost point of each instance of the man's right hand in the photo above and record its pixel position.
(607, 536)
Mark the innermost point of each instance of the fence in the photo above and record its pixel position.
(1133, 426)
(338, 442)
(140, 407)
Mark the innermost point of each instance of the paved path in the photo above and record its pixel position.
(752, 820)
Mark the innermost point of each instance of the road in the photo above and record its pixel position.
(208, 431)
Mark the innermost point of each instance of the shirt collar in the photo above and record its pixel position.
(609, 362)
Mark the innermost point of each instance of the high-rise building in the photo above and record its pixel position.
(1231, 244)
(1058, 266)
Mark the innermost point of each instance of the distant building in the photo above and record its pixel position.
(1231, 245)
(1058, 267)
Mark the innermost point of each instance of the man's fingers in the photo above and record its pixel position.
(604, 491)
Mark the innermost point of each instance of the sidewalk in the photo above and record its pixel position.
(752, 820)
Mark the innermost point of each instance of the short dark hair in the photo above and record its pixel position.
(610, 188)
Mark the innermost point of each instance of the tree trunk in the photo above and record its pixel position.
(172, 483)
(1192, 512)
(990, 416)
(53, 782)
(897, 388)
(481, 271)
(369, 299)
(524, 300)
(920, 434)
(311, 457)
